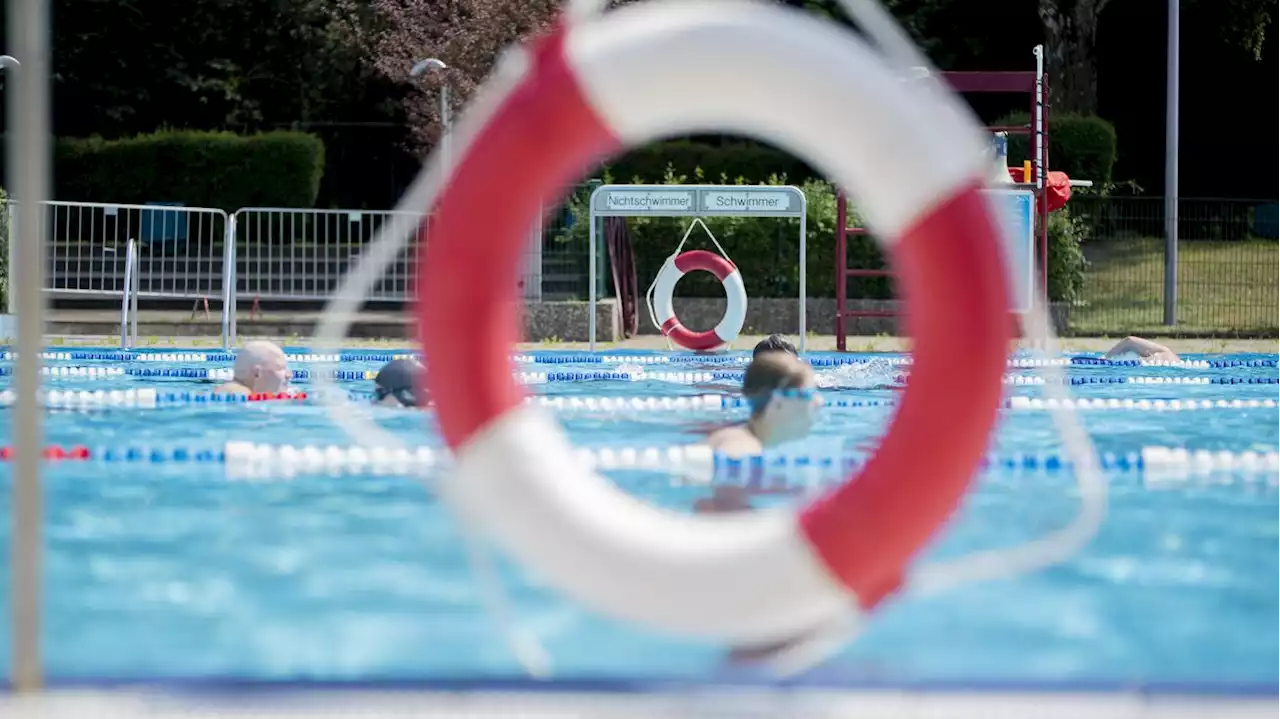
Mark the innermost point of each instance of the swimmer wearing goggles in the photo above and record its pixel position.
(399, 384)
(783, 395)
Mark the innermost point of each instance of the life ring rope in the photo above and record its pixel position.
(648, 295)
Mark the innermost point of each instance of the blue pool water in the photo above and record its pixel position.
(172, 570)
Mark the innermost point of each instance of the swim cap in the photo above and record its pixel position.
(399, 378)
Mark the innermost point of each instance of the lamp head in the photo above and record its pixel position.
(422, 66)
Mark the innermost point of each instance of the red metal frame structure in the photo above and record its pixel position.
(1029, 82)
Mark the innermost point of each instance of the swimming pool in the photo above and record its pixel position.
(169, 569)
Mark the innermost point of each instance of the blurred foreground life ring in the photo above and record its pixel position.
(735, 311)
(597, 85)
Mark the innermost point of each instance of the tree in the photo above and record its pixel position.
(1071, 37)
(1071, 53)
(468, 35)
(128, 66)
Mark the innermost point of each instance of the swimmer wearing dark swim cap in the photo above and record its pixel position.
(399, 384)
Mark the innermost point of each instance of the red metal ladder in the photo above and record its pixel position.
(1028, 83)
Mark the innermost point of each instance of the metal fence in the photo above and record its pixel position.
(1226, 260)
(290, 254)
(180, 249)
(275, 253)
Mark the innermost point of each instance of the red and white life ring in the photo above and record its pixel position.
(735, 311)
(583, 93)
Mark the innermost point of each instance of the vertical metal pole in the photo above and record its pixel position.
(1038, 51)
(804, 268)
(133, 295)
(234, 276)
(10, 64)
(446, 125)
(124, 295)
(533, 261)
(842, 266)
(1041, 131)
(1171, 169)
(28, 173)
(228, 257)
(591, 277)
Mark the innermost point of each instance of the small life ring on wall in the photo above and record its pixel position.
(589, 89)
(664, 314)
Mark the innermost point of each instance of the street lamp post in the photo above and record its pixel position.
(446, 116)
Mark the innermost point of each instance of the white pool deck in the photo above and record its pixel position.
(706, 703)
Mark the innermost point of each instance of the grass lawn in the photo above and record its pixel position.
(1223, 287)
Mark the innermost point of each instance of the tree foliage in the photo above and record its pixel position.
(128, 66)
(467, 35)
(338, 68)
(1240, 24)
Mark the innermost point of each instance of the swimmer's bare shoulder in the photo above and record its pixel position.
(231, 388)
(736, 441)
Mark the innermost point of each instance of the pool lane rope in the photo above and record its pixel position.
(600, 83)
(639, 359)
(146, 398)
(689, 465)
(699, 465)
(691, 377)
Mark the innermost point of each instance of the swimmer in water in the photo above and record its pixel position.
(1145, 349)
(774, 343)
(784, 403)
(782, 393)
(260, 366)
(400, 384)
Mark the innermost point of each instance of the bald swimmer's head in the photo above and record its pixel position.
(261, 366)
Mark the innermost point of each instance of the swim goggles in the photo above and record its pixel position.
(403, 395)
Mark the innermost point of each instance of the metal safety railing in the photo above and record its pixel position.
(180, 249)
(299, 254)
(178, 253)
(293, 254)
(129, 297)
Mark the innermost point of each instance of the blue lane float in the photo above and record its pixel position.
(150, 398)
(691, 464)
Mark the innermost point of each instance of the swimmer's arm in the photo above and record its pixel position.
(1142, 348)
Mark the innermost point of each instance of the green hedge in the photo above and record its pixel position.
(741, 161)
(766, 250)
(1067, 263)
(198, 169)
(1083, 147)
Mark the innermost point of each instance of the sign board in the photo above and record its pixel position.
(1016, 211)
(645, 201)
(698, 200)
